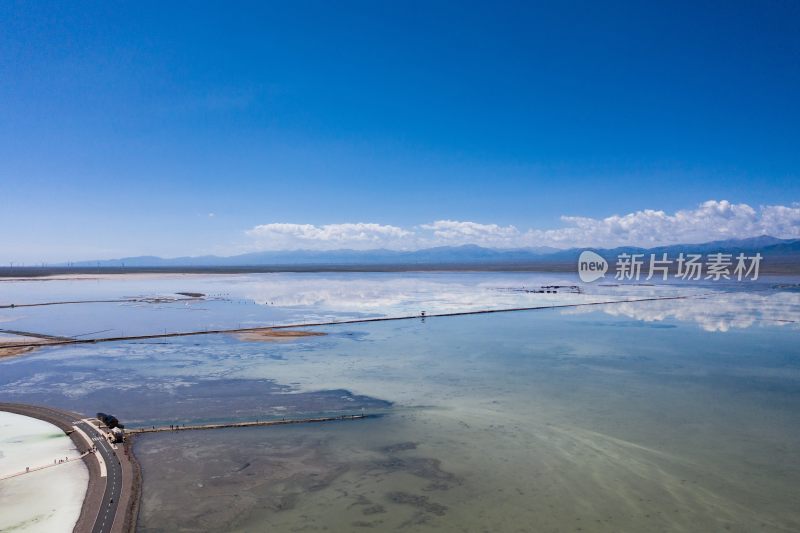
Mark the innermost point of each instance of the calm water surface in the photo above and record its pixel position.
(651, 416)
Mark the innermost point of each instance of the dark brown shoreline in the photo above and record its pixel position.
(131, 498)
(39, 272)
(789, 265)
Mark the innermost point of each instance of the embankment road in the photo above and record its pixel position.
(112, 472)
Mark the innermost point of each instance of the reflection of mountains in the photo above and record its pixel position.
(720, 312)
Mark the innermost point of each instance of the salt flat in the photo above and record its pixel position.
(47, 500)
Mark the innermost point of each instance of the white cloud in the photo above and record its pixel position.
(456, 232)
(711, 220)
(285, 236)
(780, 220)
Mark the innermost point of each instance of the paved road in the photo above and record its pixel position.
(113, 481)
(108, 507)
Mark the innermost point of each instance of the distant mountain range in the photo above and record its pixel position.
(783, 251)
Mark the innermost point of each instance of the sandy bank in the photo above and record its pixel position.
(11, 351)
(9, 348)
(275, 335)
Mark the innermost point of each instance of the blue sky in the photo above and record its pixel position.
(124, 127)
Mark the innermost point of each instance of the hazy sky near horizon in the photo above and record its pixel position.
(209, 127)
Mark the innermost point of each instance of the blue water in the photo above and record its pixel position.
(667, 415)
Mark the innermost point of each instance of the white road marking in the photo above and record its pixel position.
(98, 455)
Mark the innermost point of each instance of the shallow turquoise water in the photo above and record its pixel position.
(669, 415)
